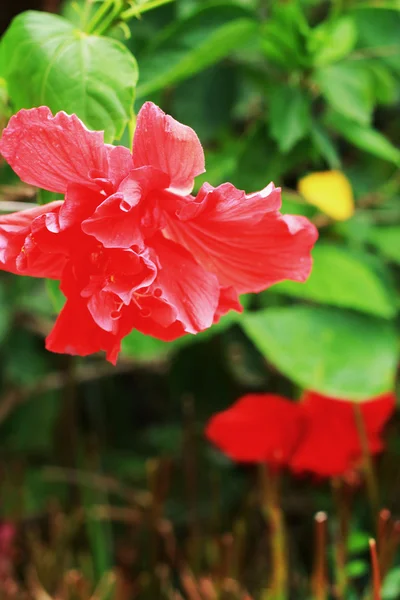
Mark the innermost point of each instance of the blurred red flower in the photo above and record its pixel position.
(132, 247)
(258, 428)
(331, 443)
(317, 435)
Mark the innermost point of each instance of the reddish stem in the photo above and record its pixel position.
(376, 575)
(319, 579)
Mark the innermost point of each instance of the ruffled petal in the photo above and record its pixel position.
(185, 285)
(120, 164)
(80, 203)
(77, 334)
(153, 316)
(19, 251)
(257, 428)
(243, 239)
(124, 273)
(228, 300)
(165, 144)
(51, 152)
(122, 219)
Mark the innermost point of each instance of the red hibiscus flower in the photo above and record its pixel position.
(258, 428)
(130, 244)
(317, 435)
(330, 444)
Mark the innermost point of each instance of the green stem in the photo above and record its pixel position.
(270, 505)
(343, 509)
(131, 129)
(110, 20)
(99, 15)
(369, 472)
(138, 10)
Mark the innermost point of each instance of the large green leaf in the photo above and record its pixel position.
(45, 60)
(332, 40)
(347, 87)
(193, 44)
(387, 241)
(378, 31)
(365, 138)
(289, 115)
(333, 352)
(342, 278)
(144, 347)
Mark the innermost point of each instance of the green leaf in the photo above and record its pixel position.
(366, 138)
(192, 45)
(358, 542)
(391, 585)
(45, 60)
(347, 88)
(332, 41)
(357, 568)
(289, 116)
(338, 353)
(205, 101)
(145, 347)
(284, 35)
(325, 146)
(341, 278)
(385, 84)
(387, 241)
(378, 32)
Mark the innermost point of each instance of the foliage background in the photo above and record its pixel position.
(275, 91)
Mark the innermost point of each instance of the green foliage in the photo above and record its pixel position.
(334, 352)
(275, 90)
(69, 70)
(192, 44)
(335, 269)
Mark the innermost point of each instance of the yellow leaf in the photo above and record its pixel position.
(330, 191)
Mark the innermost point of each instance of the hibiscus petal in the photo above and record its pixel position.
(165, 144)
(19, 252)
(119, 220)
(243, 239)
(76, 333)
(377, 412)
(341, 413)
(115, 223)
(51, 152)
(331, 445)
(104, 309)
(228, 300)
(257, 428)
(120, 164)
(185, 285)
(126, 272)
(80, 203)
(154, 316)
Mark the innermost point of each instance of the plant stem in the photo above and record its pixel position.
(138, 10)
(369, 472)
(319, 579)
(376, 576)
(131, 129)
(270, 506)
(99, 15)
(343, 509)
(111, 19)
